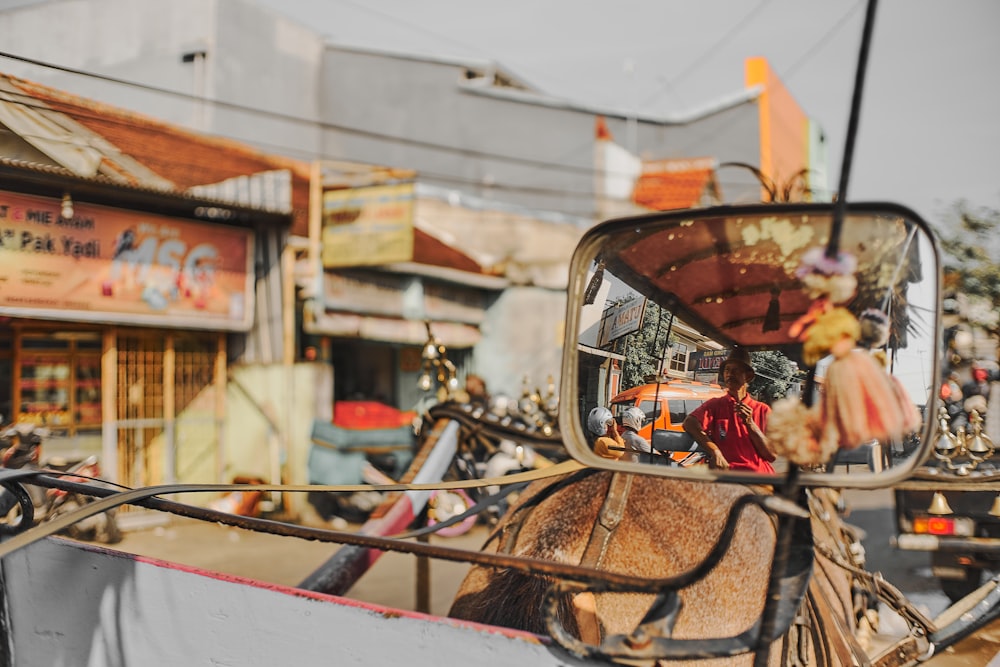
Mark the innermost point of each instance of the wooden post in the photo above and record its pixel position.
(109, 408)
(292, 505)
(170, 408)
(316, 223)
(221, 384)
(423, 601)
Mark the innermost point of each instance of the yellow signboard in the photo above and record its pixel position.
(368, 226)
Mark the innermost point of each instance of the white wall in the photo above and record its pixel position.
(523, 335)
(252, 57)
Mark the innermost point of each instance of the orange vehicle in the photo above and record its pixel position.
(665, 405)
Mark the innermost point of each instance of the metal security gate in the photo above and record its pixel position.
(167, 401)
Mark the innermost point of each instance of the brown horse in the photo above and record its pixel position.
(658, 528)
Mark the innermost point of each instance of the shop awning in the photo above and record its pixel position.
(389, 329)
(401, 296)
(598, 352)
(69, 143)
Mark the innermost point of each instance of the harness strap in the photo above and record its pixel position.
(612, 511)
(608, 519)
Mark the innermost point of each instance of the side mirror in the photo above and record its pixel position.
(840, 324)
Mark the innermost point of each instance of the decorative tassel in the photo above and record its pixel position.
(772, 320)
(860, 402)
(590, 294)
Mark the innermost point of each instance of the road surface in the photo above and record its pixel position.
(392, 581)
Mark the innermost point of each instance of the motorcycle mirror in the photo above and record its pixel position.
(837, 315)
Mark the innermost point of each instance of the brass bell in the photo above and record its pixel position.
(939, 505)
(995, 510)
(978, 445)
(977, 442)
(946, 442)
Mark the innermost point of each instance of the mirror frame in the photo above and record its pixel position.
(572, 430)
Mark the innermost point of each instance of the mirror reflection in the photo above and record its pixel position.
(755, 341)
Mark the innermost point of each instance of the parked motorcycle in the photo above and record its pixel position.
(20, 448)
(22, 505)
(101, 527)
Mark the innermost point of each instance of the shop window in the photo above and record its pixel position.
(6, 373)
(58, 381)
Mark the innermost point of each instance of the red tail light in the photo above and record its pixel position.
(939, 525)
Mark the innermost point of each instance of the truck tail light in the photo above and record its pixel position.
(938, 525)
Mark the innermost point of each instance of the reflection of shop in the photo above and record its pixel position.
(705, 364)
(599, 377)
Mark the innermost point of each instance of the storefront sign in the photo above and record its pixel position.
(368, 226)
(706, 363)
(111, 265)
(621, 320)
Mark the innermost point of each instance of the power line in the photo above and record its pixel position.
(324, 125)
(790, 72)
(528, 190)
(438, 37)
(711, 50)
(85, 113)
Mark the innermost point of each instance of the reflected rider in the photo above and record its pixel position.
(731, 428)
(635, 444)
(608, 442)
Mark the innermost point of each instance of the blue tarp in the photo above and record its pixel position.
(337, 455)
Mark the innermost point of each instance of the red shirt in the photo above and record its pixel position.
(719, 420)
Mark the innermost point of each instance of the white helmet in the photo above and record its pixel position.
(599, 419)
(633, 418)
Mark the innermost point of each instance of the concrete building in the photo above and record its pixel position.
(234, 69)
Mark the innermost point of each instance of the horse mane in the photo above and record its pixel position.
(512, 600)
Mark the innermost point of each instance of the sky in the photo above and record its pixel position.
(929, 131)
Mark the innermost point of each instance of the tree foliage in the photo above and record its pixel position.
(645, 348)
(972, 252)
(774, 377)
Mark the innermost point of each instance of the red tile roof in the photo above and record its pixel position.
(183, 157)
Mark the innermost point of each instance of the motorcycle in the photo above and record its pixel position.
(22, 505)
(21, 446)
(101, 527)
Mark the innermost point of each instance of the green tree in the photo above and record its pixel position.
(775, 374)
(644, 348)
(972, 254)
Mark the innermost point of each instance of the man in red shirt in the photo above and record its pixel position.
(731, 428)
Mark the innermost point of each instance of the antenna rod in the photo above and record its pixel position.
(852, 130)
